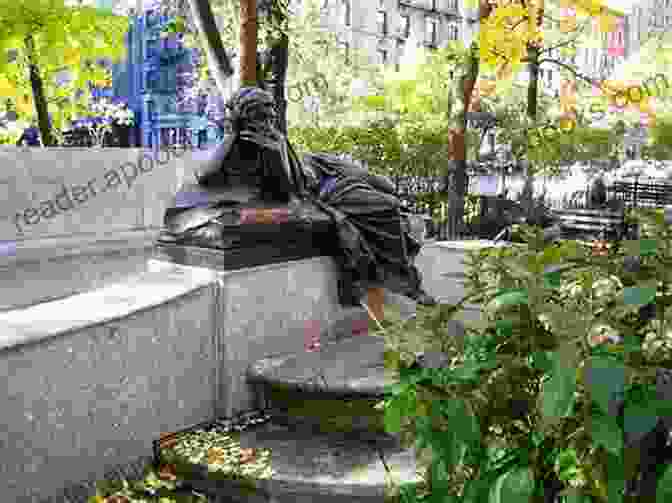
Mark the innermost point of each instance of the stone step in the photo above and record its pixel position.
(349, 368)
(290, 464)
(333, 389)
(348, 321)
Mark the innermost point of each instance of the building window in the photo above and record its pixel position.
(382, 56)
(668, 20)
(453, 32)
(400, 51)
(452, 4)
(347, 13)
(405, 25)
(431, 30)
(381, 18)
(549, 77)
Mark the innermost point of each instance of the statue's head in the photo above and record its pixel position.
(253, 108)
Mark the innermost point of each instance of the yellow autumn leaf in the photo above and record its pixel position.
(532, 20)
(487, 87)
(568, 23)
(24, 108)
(6, 88)
(591, 7)
(71, 56)
(607, 23)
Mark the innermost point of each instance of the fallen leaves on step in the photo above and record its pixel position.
(166, 441)
(216, 455)
(118, 499)
(168, 472)
(248, 455)
(312, 335)
(360, 327)
(600, 248)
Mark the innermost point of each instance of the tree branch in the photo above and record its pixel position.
(574, 71)
(563, 44)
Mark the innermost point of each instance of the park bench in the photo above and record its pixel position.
(651, 193)
(591, 223)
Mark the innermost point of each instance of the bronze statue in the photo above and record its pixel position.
(254, 167)
(255, 171)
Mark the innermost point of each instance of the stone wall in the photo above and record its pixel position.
(69, 216)
(70, 191)
(92, 379)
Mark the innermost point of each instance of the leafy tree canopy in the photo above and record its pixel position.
(64, 39)
(315, 56)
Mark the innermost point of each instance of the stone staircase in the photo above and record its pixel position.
(326, 441)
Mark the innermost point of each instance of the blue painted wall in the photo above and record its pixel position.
(148, 81)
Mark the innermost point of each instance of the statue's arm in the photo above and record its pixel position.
(212, 166)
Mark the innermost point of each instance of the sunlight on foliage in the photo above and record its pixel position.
(529, 393)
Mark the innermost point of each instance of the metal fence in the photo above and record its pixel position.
(642, 194)
(412, 190)
(420, 195)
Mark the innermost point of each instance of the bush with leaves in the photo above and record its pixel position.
(555, 387)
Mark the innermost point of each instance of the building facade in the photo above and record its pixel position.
(384, 29)
(646, 19)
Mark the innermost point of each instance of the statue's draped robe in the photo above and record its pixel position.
(376, 246)
(373, 243)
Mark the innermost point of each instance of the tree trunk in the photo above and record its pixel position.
(39, 99)
(527, 196)
(218, 61)
(248, 43)
(456, 185)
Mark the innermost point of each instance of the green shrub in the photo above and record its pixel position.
(527, 399)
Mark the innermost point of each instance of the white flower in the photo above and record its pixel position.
(606, 286)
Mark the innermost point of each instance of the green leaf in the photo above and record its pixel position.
(664, 491)
(574, 495)
(510, 298)
(408, 492)
(542, 360)
(504, 328)
(391, 359)
(616, 474)
(462, 423)
(639, 419)
(557, 398)
(632, 343)
(477, 491)
(639, 295)
(661, 407)
(402, 405)
(551, 255)
(375, 101)
(606, 432)
(605, 380)
(552, 279)
(641, 247)
(516, 486)
(449, 447)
